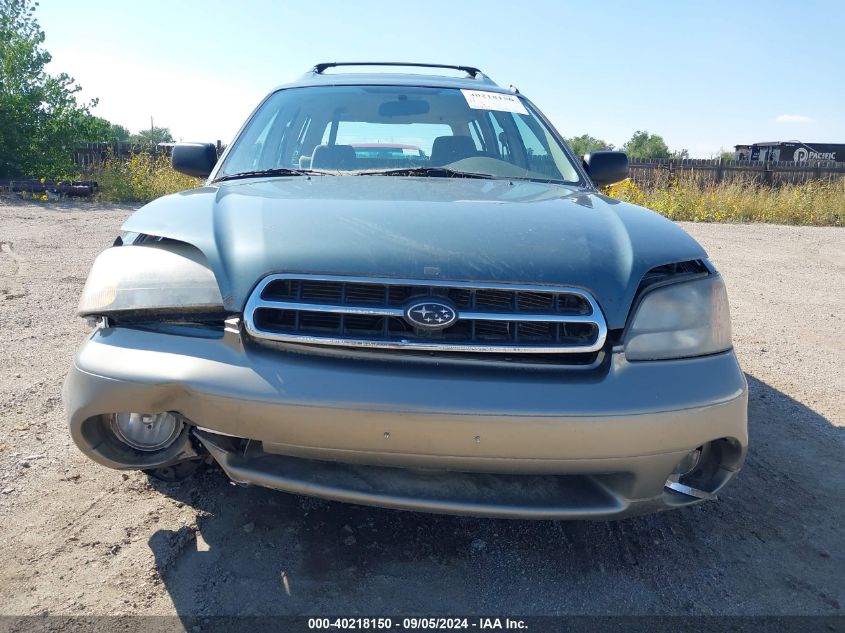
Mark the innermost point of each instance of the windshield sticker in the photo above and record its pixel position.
(481, 100)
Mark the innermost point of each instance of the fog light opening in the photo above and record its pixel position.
(684, 477)
(688, 463)
(146, 431)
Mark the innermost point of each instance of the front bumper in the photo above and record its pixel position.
(455, 438)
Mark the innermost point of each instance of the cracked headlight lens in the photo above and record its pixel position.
(685, 319)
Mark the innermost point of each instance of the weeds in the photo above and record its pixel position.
(818, 203)
(139, 178)
(144, 177)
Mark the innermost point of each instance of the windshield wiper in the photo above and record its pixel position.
(434, 172)
(277, 171)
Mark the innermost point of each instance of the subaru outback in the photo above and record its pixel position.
(470, 327)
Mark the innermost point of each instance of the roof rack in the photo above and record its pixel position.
(471, 71)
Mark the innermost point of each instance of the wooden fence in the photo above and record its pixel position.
(93, 154)
(646, 172)
(656, 172)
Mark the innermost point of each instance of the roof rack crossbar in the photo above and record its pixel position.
(470, 70)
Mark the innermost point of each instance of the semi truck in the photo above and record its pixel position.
(791, 151)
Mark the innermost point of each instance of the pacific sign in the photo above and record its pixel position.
(802, 155)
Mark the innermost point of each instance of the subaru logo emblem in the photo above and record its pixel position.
(430, 315)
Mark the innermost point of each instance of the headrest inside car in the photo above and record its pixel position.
(333, 157)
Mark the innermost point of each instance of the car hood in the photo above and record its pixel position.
(442, 228)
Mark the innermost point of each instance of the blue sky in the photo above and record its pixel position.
(705, 75)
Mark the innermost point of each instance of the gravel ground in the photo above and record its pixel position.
(76, 538)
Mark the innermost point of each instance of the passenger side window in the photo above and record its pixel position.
(300, 141)
(476, 136)
(537, 154)
(502, 144)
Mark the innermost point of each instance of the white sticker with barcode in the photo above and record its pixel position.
(483, 100)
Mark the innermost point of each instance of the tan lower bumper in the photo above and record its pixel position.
(606, 495)
(621, 431)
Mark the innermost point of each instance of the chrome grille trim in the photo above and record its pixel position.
(320, 307)
(258, 302)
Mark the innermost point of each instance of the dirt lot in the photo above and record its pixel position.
(76, 538)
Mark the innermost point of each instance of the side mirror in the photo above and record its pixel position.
(194, 159)
(606, 167)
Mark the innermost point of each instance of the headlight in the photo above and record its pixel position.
(684, 319)
(126, 278)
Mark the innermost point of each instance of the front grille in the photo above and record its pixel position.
(365, 312)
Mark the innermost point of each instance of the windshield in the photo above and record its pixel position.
(371, 129)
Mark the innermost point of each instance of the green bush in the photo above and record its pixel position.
(140, 178)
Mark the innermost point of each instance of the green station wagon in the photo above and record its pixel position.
(464, 325)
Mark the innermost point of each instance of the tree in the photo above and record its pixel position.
(679, 154)
(645, 145)
(41, 116)
(118, 133)
(153, 136)
(93, 129)
(585, 144)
